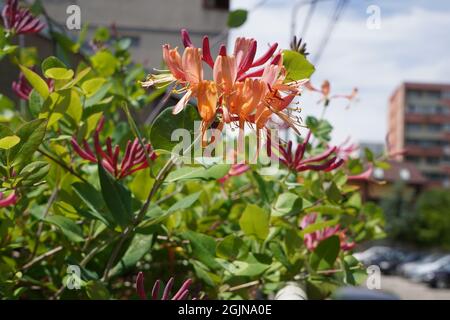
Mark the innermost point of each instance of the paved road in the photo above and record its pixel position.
(406, 289)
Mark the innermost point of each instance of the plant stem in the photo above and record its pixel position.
(85, 261)
(129, 230)
(62, 165)
(41, 223)
(42, 257)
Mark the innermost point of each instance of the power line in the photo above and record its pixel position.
(340, 6)
(295, 8)
(309, 16)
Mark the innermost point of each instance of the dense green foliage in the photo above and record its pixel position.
(168, 219)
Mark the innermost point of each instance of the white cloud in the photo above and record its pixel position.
(412, 45)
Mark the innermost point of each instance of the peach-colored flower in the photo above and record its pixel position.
(238, 94)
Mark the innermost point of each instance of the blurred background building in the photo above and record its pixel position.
(419, 121)
(384, 181)
(150, 23)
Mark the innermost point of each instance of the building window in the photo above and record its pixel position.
(438, 110)
(411, 108)
(446, 95)
(434, 127)
(411, 127)
(432, 160)
(413, 159)
(216, 4)
(424, 143)
(433, 94)
(434, 176)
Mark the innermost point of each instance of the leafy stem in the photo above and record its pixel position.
(162, 174)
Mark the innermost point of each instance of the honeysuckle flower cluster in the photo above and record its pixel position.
(313, 239)
(22, 87)
(10, 200)
(181, 294)
(134, 159)
(244, 90)
(326, 161)
(20, 20)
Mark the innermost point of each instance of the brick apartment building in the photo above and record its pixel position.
(419, 121)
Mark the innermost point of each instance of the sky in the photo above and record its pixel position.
(412, 44)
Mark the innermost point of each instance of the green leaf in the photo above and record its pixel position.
(101, 34)
(33, 172)
(203, 248)
(297, 67)
(199, 173)
(237, 18)
(326, 209)
(351, 270)
(229, 247)
(75, 108)
(320, 129)
(97, 97)
(52, 62)
(278, 253)
(80, 75)
(93, 199)
(5, 102)
(355, 200)
(139, 246)
(69, 228)
(117, 198)
(35, 103)
(104, 63)
(264, 189)
(287, 203)
(96, 290)
(185, 202)
(91, 86)
(251, 267)
(324, 256)
(31, 135)
(333, 193)
(166, 123)
(59, 73)
(9, 142)
(157, 215)
(255, 222)
(369, 154)
(36, 81)
(319, 226)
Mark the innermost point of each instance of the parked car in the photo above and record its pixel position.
(385, 257)
(389, 260)
(439, 278)
(370, 254)
(405, 269)
(420, 271)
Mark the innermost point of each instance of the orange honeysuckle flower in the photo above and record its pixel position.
(225, 73)
(238, 94)
(207, 100)
(186, 70)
